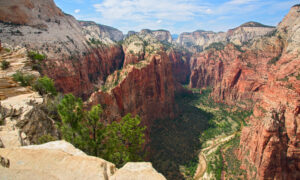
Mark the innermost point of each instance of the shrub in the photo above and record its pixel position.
(217, 46)
(274, 60)
(7, 50)
(45, 85)
(118, 142)
(36, 56)
(46, 138)
(249, 65)
(5, 64)
(23, 79)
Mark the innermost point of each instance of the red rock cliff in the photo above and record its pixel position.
(264, 74)
(145, 89)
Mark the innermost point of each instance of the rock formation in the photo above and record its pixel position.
(200, 39)
(161, 35)
(145, 85)
(61, 160)
(264, 74)
(137, 171)
(73, 58)
(101, 31)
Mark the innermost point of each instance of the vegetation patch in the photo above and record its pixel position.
(117, 142)
(175, 143)
(23, 79)
(274, 60)
(5, 64)
(45, 85)
(35, 56)
(216, 45)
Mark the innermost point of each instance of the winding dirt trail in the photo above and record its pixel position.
(202, 165)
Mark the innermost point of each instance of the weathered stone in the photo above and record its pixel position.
(137, 171)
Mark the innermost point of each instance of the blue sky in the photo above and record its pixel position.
(177, 15)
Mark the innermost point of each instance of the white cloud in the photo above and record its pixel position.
(159, 21)
(241, 2)
(141, 10)
(77, 11)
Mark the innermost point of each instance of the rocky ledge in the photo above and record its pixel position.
(60, 160)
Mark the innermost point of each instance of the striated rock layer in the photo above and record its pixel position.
(200, 39)
(77, 61)
(146, 90)
(265, 74)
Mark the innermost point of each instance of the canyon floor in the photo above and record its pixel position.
(204, 131)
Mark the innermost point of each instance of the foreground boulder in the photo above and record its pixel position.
(61, 160)
(136, 171)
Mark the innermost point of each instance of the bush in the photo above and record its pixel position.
(5, 64)
(216, 45)
(36, 56)
(24, 80)
(274, 60)
(118, 142)
(45, 85)
(46, 138)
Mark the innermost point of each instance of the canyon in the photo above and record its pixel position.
(253, 67)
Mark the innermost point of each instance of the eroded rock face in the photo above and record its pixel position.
(137, 171)
(101, 31)
(56, 160)
(146, 90)
(161, 35)
(61, 160)
(236, 75)
(264, 75)
(76, 62)
(201, 39)
(180, 65)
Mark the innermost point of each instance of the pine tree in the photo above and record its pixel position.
(125, 140)
(93, 131)
(71, 112)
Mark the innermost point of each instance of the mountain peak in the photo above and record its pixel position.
(255, 24)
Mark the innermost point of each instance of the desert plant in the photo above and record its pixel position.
(216, 45)
(46, 138)
(274, 60)
(36, 56)
(298, 77)
(45, 85)
(5, 64)
(23, 79)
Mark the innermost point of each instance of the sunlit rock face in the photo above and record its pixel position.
(264, 75)
(76, 62)
(200, 39)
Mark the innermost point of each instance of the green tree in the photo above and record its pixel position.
(93, 131)
(118, 142)
(45, 85)
(115, 150)
(71, 113)
(125, 140)
(133, 135)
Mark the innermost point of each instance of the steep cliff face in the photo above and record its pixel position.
(81, 75)
(263, 74)
(73, 58)
(146, 88)
(101, 31)
(161, 35)
(271, 142)
(201, 39)
(235, 74)
(29, 12)
(180, 60)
